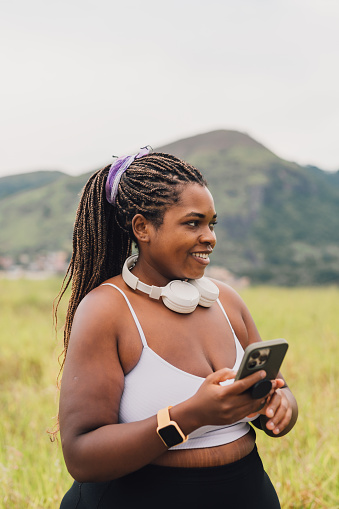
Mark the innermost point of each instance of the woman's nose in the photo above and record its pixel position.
(208, 236)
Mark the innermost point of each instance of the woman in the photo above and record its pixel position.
(149, 410)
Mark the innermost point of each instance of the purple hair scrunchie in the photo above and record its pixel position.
(117, 169)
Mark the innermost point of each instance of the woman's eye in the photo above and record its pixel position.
(196, 223)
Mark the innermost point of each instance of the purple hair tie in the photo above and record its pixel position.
(117, 169)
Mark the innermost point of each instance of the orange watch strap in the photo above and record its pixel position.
(163, 417)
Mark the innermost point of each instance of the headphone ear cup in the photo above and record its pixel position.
(209, 292)
(180, 296)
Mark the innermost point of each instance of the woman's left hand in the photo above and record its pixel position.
(278, 410)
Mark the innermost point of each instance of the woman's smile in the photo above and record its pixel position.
(202, 258)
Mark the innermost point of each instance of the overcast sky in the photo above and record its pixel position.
(84, 79)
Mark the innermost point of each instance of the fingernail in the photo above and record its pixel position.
(276, 431)
(270, 412)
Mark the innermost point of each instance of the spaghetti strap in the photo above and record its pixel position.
(137, 323)
(225, 314)
(239, 348)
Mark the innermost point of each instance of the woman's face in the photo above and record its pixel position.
(181, 246)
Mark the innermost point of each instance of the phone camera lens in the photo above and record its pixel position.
(252, 364)
(255, 354)
(263, 358)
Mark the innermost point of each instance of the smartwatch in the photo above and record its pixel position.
(168, 430)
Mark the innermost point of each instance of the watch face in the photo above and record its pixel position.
(170, 435)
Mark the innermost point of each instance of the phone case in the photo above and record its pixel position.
(267, 355)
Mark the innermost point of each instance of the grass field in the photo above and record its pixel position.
(303, 465)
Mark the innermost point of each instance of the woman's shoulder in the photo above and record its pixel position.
(228, 293)
(103, 305)
(106, 291)
(238, 313)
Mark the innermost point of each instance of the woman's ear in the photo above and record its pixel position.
(140, 227)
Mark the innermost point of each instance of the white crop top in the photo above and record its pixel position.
(154, 384)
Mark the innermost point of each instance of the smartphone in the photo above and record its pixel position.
(266, 355)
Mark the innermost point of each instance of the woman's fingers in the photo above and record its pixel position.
(245, 383)
(221, 376)
(279, 413)
(278, 383)
(218, 402)
(231, 400)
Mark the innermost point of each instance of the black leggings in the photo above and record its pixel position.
(243, 484)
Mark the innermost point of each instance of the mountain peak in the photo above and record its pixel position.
(219, 140)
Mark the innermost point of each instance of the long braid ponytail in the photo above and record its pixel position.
(103, 236)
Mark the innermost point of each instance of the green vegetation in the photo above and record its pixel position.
(27, 181)
(40, 220)
(303, 465)
(277, 221)
(32, 473)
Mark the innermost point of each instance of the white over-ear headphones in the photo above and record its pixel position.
(179, 296)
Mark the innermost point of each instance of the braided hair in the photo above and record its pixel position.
(103, 236)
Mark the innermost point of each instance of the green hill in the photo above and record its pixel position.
(27, 181)
(40, 220)
(277, 221)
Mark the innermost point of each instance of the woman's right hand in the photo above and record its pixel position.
(216, 404)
